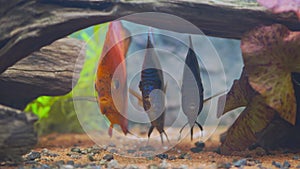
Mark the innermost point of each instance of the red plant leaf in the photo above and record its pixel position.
(270, 54)
(238, 96)
(243, 133)
(278, 6)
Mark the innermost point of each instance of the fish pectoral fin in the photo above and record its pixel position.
(137, 95)
(213, 96)
(165, 87)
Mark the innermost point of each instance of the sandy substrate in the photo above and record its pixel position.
(178, 157)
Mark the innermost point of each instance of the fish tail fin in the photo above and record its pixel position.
(192, 132)
(150, 131)
(200, 127)
(182, 130)
(166, 136)
(110, 130)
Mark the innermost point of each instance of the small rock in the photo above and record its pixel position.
(147, 148)
(185, 156)
(70, 162)
(182, 167)
(113, 151)
(75, 149)
(200, 144)
(224, 165)
(298, 166)
(131, 167)
(111, 145)
(103, 162)
(45, 166)
(164, 164)
(196, 149)
(33, 155)
(240, 163)
(60, 162)
(46, 152)
(147, 154)
(96, 149)
(108, 157)
(90, 157)
(67, 167)
(152, 166)
(75, 156)
(131, 151)
(162, 156)
(296, 157)
(83, 152)
(286, 164)
(172, 157)
(113, 164)
(276, 164)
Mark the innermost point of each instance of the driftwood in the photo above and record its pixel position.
(48, 71)
(27, 25)
(17, 135)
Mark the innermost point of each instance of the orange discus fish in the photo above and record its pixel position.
(111, 85)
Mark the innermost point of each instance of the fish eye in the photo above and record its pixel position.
(116, 84)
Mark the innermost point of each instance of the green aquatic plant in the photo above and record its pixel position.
(57, 113)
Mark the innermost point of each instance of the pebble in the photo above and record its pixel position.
(90, 157)
(60, 162)
(147, 148)
(172, 157)
(185, 156)
(164, 164)
(113, 151)
(46, 152)
(95, 149)
(182, 167)
(70, 162)
(83, 152)
(45, 166)
(240, 163)
(131, 167)
(298, 166)
(111, 145)
(296, 157)
(131, 151)
(196, 149)
(162, 156)
(286, 164)
(152, 166)
(103, 162)
(276, 164)
(224, 165)
(113, 164)
(108, 157)
(75, 149)
(200, 144)
(67, 167)
(33, 155)
(75, 156)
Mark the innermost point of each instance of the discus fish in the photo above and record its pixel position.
(153, 90)
(111, 85)
(191, 89)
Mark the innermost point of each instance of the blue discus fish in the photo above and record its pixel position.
(153, 90)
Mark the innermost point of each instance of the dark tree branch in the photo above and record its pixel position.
(27, 25)
(48, 71)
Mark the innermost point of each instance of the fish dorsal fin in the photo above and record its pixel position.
(137, 95)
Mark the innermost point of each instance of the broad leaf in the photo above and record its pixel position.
(270, 54)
